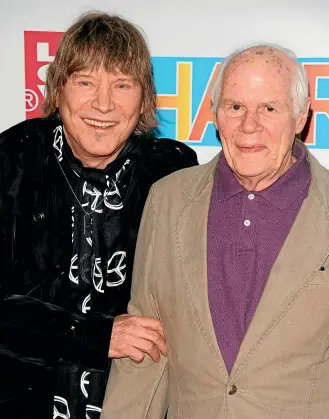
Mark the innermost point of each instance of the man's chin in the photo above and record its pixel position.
(105, 148)
(249, 172)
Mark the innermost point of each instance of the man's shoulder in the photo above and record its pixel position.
(166, 149)
(182, 176)
(159, 157)
(164, 145)
(15, 138)
(189, 181)
(320, 179)
(9, 135)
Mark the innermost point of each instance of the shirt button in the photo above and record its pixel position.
(246, 223)
(38, 217)
(251, 196)
(232, 390)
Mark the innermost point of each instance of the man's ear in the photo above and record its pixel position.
(215, 119)
(57, 98)
(58, 94)
(302, 118)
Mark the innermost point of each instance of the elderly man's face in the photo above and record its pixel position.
(255, 118)
(99, 111)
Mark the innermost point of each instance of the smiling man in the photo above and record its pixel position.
(72, 189)
(240, 247)
(100, 108)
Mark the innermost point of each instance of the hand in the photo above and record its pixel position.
(134, 336)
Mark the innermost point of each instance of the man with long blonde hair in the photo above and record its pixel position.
(73, 187)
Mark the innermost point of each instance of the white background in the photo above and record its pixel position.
(174, 28)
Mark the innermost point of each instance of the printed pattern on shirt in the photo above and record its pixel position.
(86, 260)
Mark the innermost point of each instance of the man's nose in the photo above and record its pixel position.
(250, 123)
(103, 101)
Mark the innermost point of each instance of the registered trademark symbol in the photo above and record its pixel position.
(31, 100)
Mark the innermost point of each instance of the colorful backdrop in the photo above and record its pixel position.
(187, 41)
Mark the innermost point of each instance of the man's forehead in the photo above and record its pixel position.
(96, 72)
(267, 68)
(268, 57)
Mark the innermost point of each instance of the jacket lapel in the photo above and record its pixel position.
(304, 251)
(191, 242)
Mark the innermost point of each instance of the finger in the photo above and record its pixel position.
(129, 333)
(150, 335)
(150, 323)
(146, 322)
(149, 348)
(122, 317)
(136, 355)
(140, 338)
(157, 339)
(130, 351)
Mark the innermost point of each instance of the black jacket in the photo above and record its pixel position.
(38, 335)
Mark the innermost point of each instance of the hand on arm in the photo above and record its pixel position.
(135, 336)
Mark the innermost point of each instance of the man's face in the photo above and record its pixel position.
(255, 117)
(99, 110)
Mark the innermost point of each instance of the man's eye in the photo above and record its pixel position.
(84, 83)
(123, 86)
(269, 108)
(236, 107)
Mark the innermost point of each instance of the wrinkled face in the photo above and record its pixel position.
(255, 116)
(99, 110)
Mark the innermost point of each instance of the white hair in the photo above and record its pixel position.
(300, 85)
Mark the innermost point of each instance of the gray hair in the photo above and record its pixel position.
(300, 86)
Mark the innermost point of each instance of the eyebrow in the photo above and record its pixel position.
(239, 102)
(90, 76)
(271, 102)
(127, 78)
(82, 75)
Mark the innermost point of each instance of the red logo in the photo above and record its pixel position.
(40, 50)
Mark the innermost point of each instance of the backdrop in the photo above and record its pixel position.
(188, 41)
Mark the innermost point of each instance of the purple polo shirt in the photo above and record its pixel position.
(246, 231)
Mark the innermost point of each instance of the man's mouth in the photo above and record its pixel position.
(251, 149)
(99, 124)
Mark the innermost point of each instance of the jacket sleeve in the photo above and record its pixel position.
(31, 328)
(135, 390)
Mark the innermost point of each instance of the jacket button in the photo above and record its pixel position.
(38, 217)
(232, 390)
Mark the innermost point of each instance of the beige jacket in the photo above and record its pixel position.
(282, 369)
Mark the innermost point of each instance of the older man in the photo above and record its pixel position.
(72, 189)
(232, 257)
